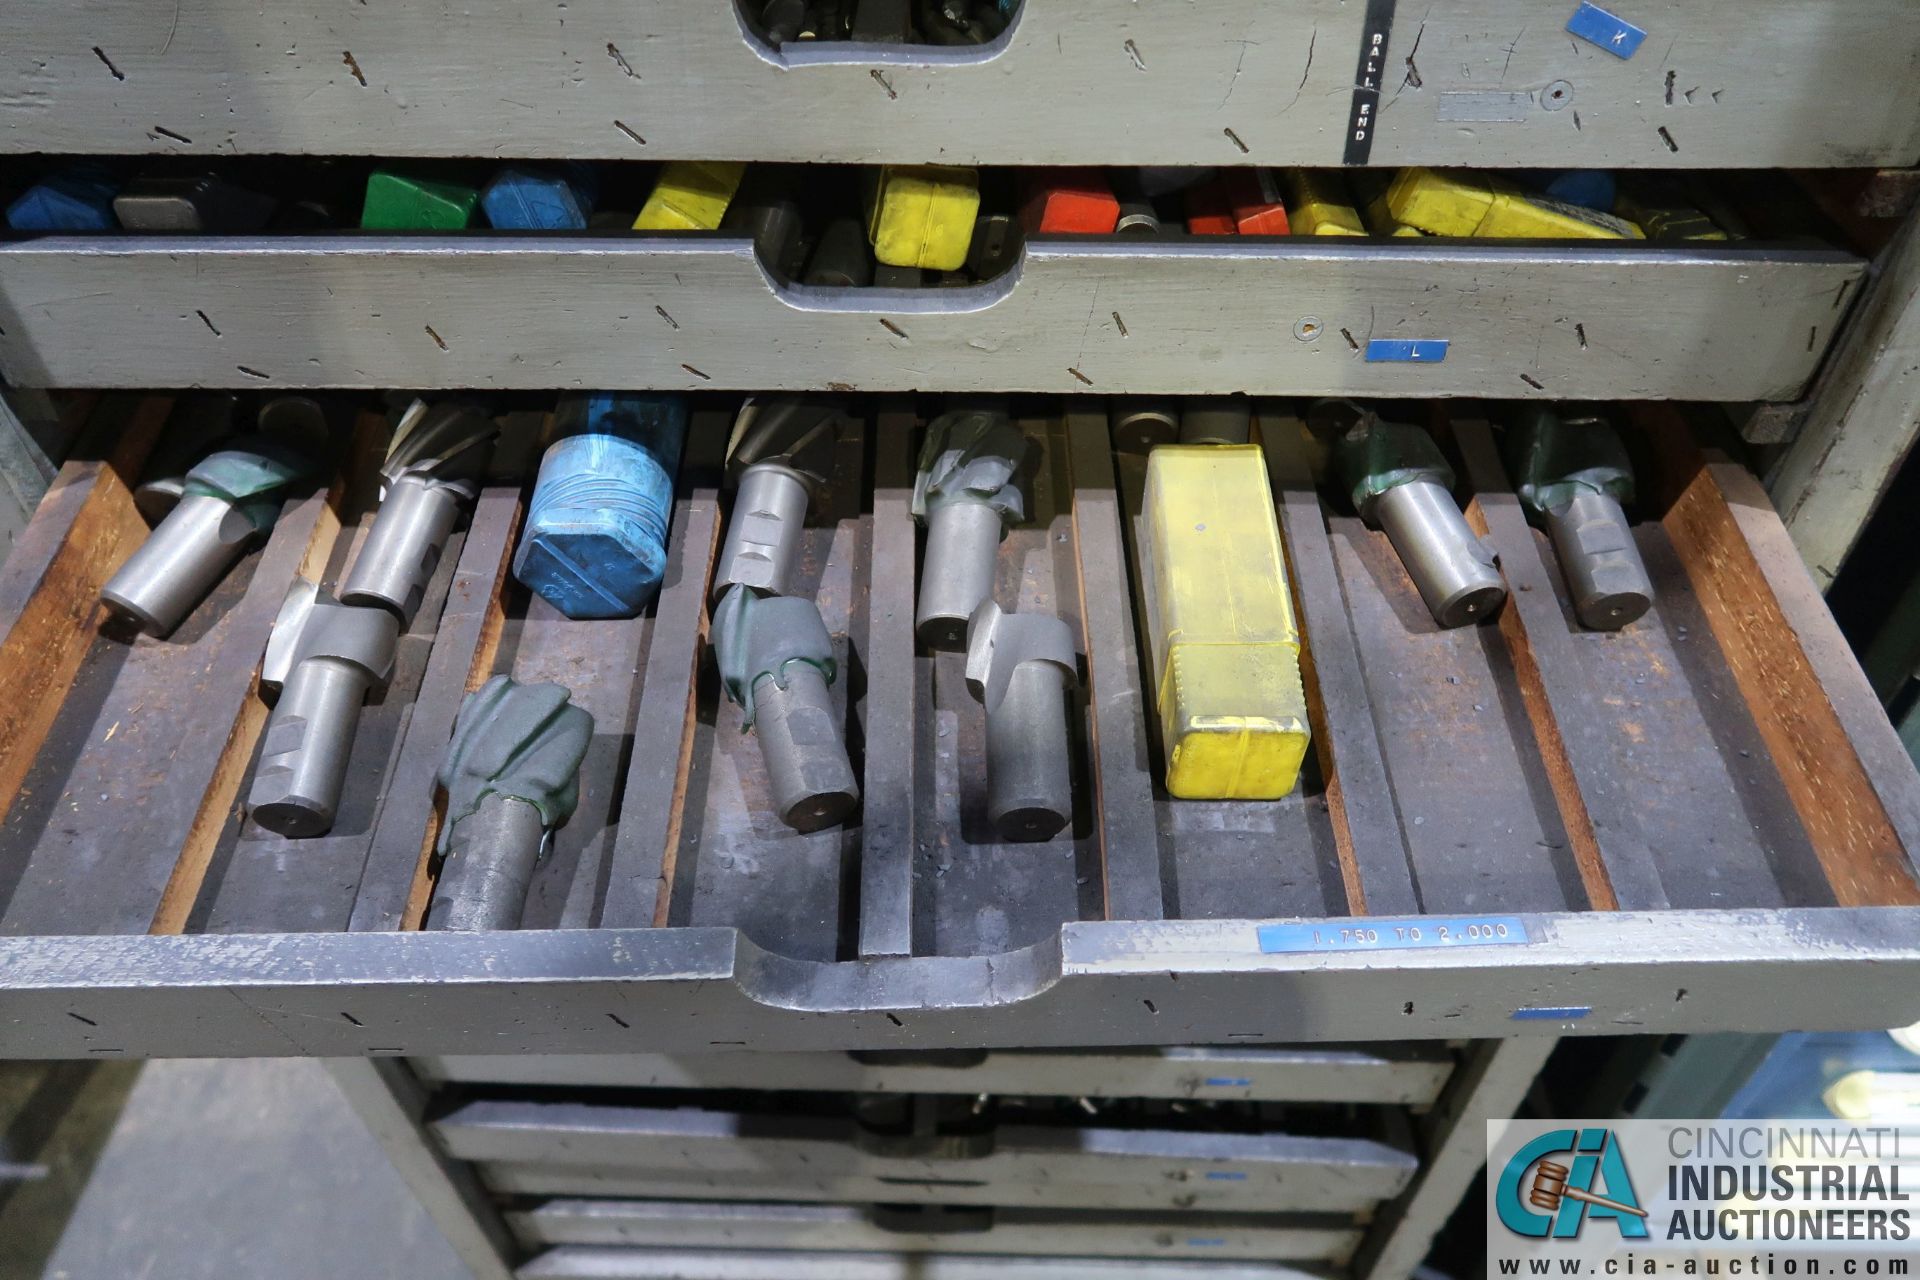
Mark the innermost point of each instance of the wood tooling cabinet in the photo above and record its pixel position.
(718, 1047)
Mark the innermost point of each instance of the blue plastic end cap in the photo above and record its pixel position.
(1589, 188)
(590, 569)
(596, 540)
(65, 202)
(539, 200)
(656, 421)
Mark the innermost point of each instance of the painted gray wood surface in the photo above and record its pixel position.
(1864, 418)
(1717, 83)
(1103, 317)
(1034, 1232)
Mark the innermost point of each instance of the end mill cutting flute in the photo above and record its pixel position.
(966, 493)
(512, 774)
(776, 662)
(1020, 667)
(226, 501)
(779, 460)
(322, 657)
(1400, 482)
(434, 468)
(1573, 476)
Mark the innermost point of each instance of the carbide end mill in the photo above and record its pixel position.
(779, 461)
(1019, 667)
(512, 774)
(226, 501)
(966, 493)
(323, 657)
(1400, 482)
(776, 661)
(434, 468)
(1574, 476)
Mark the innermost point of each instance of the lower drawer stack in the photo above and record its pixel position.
(1211, 1162)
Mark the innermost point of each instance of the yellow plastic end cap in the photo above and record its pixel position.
(923, 215)
(1235, 721)
(691, 196)
(1318, 206)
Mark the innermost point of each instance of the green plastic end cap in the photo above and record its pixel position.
(397, 202)
(757, 638)
(522, 741)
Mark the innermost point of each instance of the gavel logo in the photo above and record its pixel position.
(1550, 1188)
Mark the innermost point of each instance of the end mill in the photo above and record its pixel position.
(434, 468)
(1573, 476)
(966, 493)
(776, 662)
(1020, 667)
(779, 460)
(226, 502)
(322, 657)
(1400, 482)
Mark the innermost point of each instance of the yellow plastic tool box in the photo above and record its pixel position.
(1225, 650)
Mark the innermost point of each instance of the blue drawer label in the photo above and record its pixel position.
(1596, 26)
(1395, 935)
(1406, 350)
(1553, 1013)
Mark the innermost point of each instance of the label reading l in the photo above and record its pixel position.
(1405, 934)
(1406, 350)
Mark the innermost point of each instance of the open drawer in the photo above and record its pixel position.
(1701, 822)
(1486, 82)
(1075, 315)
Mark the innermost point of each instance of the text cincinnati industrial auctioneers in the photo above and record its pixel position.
(1815, 1170)
(1630, 1197)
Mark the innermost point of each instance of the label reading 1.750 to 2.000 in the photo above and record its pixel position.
(1395, 935)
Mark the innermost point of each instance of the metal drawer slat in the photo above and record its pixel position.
(1528, 321)
(1237, 82)
(569, 1146)
(1403, 1074)
(587, 1262)
(1035, 1232)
